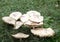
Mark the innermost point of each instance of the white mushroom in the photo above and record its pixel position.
(24, 18)
(31, 13)
(33, 24)
(36, 19)
(50, 31)
(9, 20)
(18, 24)
(20, 35)
(28, 23)
(15, 15)
(41, 23)
(36, 24)
(41, 32)
(35, 16)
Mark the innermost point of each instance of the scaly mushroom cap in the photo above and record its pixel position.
(35, 16)
(41, 32)
(9, 20)
(15, 15)
(24, 18)
(20, 35)
(18, 24)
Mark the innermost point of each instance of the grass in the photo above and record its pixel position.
(47, 8)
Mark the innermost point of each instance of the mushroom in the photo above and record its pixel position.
(50, 32)
(20, 35)
(12, 21)
(35, 16)
(42, 32)
(33, 24)
(36, 19)
(9, 20)
(24, 18)
(15, 15)
(18, 24)
(32, 18)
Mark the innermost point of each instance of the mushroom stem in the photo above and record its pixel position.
(20, 39)
(33, 27)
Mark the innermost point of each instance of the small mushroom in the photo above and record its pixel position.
(27, 23)
(15, 15)
(36, 19)
(18, 24)
(35, 16)
(20, 35)
(33, 24)
(24, 18)
(36, 24)
(9, 20)
(42, 32)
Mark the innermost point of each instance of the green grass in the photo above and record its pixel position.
(47, 8)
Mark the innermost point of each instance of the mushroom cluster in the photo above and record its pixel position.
(12, 19)
(32, 19)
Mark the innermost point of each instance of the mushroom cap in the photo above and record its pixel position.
(24, 18)
(15, 15)
(31, 13)
(20, 35)
(36, 31)
(36, 19)
(51, 32)
(9, 20)
(34, 24)
(35, 16)
(27, 23)
(41, 32)
(18, 24)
